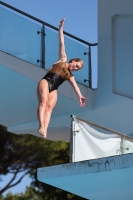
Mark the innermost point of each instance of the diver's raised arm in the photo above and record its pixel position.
(62, 53)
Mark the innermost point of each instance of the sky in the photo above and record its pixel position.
(80, 21)
(80, 15)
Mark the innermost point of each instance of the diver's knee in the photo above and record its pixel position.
(49, 109)
(42, 103)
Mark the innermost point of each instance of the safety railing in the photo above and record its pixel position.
(36, 41)
(91, 141)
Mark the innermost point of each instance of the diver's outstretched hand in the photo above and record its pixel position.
(82, 101)
(62, 22)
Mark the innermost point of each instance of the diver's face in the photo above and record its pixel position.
(74, 66)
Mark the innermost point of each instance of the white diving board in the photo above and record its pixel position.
(109, 178)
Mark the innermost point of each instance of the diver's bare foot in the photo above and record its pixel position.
(43, 131)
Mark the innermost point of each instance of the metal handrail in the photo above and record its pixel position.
(44, 23)
(104, 128)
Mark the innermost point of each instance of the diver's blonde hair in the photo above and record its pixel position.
(77, 60)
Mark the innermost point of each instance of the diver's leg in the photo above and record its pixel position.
(43, 95)
(52, 99)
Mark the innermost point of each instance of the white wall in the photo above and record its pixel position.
(113, 106)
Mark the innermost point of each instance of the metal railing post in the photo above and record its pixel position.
(42, 40)
(43, 46)
(89, 65)
(71, 142)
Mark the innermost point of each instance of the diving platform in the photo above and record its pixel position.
(104, 178)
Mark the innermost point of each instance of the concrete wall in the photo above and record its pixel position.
(113, 107)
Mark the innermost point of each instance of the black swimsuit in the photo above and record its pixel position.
(57, 75)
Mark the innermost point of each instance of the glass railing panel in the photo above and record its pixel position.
(51, 48)
(73, 50)
(19, 37)
(94, 64)
(76, 50)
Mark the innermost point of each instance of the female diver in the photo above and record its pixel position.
(47, 87)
